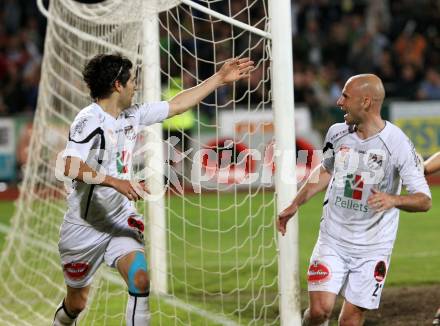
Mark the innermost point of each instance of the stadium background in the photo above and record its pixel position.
(398, 40)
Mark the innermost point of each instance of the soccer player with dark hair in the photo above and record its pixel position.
(101, 223)
(366, 161)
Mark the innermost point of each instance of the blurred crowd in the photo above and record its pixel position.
(21, 44)
(399, 40)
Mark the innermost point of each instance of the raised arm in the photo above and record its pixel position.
(233, 70)
(317, 181)
(432, 164)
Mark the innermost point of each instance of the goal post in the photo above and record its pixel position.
(214, 254)
(155, 208)
(283, 110)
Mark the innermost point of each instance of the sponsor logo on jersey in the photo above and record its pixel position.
(76, 270)
(340, 134)
(353, 188)
(344, 149)
(380, 271)
(354, 185)
(343, 155)
(78, 127)
(136, 223)
(318, 273)
(122, 159)
(350, 204)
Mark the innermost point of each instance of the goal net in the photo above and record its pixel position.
(219, 257)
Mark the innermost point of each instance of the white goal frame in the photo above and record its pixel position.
(283, 109)
(280, 37)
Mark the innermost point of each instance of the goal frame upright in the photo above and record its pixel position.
(280, 35)
(285, 159)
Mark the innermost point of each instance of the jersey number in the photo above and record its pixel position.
(378, 286)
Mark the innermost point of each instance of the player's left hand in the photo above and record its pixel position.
(285, 216)
(235, 69)
(381, 201)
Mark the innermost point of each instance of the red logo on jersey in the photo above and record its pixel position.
(344, 149)
(354, 185)
(380, 271)
(318, 273)
(122, 159)
(76, 270)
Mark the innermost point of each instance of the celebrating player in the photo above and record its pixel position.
(366, 160)
(100, 223)
(432, 165)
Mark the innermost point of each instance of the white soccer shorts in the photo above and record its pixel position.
(359, 280)
(83, 249)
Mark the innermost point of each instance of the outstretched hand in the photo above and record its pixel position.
(235, 69)
(284, 217)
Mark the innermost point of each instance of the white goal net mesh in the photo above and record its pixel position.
(221, 243)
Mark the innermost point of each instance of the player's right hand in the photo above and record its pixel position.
(284, 217)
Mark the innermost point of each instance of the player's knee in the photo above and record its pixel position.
(319, 314)
(350, 320)
(141, 281)
(138, 282)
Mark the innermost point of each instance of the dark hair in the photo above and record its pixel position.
(103, 70)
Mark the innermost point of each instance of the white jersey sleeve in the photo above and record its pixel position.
(328, 152)
(85, 133)
(335, 132)
(151, 113)
(409, 167)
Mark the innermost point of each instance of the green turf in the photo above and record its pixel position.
(415, 259)
(6, 211)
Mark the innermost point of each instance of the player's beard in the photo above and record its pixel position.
(349, 119)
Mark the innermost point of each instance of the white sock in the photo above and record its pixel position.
(306, 321)
(62, 317)
(137, 313)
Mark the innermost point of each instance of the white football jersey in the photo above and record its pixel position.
(383, 162)
(106, 145)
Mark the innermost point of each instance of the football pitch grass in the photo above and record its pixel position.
(415, 260)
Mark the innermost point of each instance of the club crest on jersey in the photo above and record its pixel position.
(129, 132)
(76, 270)
(374, 161)
(318, 273)
(380, 271)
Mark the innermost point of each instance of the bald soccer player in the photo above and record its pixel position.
(366, 160)
(432, 165)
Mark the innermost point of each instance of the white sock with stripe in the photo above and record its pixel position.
(138, 312)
